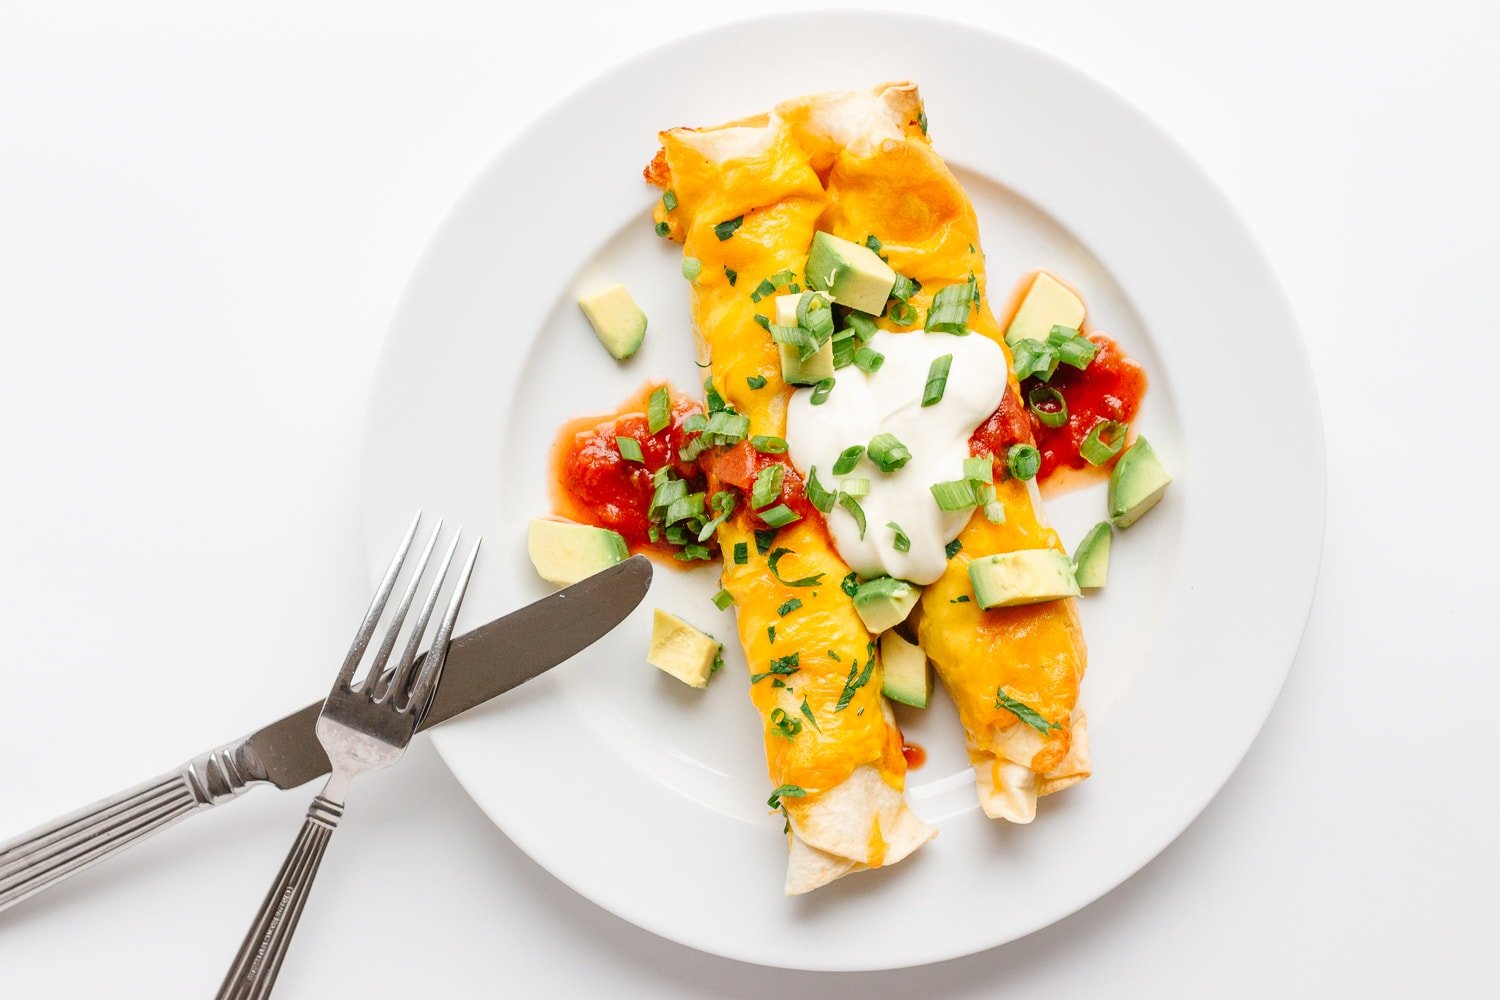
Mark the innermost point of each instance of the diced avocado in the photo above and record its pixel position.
(616, 319)
(1136, 483)
(564, 552)
(907, 678)
(795, 370)
(884, 602)
(1091, 558)
(1026, 576)
(681, 650)
(1048, 303)
(854, 274)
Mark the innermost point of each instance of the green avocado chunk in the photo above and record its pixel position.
(1136, 484)
(853, 274)
(1091, 558)
(906, 677)
(1025, 576)
(564, 552)
(617, 321)
(884, 602)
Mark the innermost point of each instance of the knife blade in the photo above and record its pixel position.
(481, 664)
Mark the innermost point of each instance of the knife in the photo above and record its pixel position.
(481, 664)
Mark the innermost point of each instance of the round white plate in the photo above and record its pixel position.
(648, 797)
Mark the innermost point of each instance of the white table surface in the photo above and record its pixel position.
(206, 215)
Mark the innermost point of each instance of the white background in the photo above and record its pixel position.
(206, 216)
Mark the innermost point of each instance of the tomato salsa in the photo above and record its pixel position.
(594, 483)
(1110, 388)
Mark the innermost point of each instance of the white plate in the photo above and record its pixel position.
(647, 797)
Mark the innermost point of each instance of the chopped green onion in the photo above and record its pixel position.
(818, 495)
(815, 315)
(848, 459)
(691, 552)
(888, 453)
(994, 512)
(691, 266)
(795, 336)
(821, 392)
(904, 288)
(850, 504)
(1023, 460)
(979, 469)
(733, 276)
(806, 581)
(849, 585)
(779, 516)
(868, 361)
(767, 486)
(662, 229)
(741, 553)
(784, 725)
(1072, 347)
(769, 445)
(764, 540)
(667, 493)
(669, 200)
(756, 381)
(937, 380)
(658, 409)
(762, 290)
(712, 397)
(630, 449)
(903, 541)
(949, 312)
(723, 502)
(726, 229)
(872, 243)
(956, 495)
(863, 326)
(855, 487)
(1024, 712)
(1034, 358)
(1103, 442)
(695, 423)
(953, 548)
(789, 607)
(903, 314)
(845, 347)
(764, 321)
(684, 508)
(723, 599)
(1048, 405)
(725, 427)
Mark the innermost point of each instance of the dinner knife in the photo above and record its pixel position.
(481, 664)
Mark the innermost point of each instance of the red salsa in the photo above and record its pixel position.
(594, 484)
(914, 754)
(1110, 388)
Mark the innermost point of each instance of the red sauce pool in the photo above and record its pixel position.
(914, 754)
(1110, 388)
(593, 484)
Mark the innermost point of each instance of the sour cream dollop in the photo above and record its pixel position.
(890, 401)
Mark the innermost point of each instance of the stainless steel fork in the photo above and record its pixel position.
(363, 727)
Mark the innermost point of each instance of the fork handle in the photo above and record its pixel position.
(66, 846)
(259, 960)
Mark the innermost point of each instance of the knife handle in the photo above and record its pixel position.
(66, 846)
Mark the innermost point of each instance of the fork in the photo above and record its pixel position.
(363, 727)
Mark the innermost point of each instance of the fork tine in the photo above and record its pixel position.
(377, 606)
(393, 631)
(402, 673)
(437, 653)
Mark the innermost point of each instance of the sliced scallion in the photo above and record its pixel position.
(630, 449)
(691, 267)
(768, 444)
(863, 326)
(979, 469)
(956, 495)
(658, 409)
(723, 599)
(949, 312)
(1023, 460)
(1048, 404)
(821, 392)
(902, 542)
(848, 459)
(767, 486)
(662, 229)
(868, 361)
(779, 516)
(855, 487)
(669, 200)
(850, 504)
(937, 380)
(818, 495)
(756, 381)
(726, 229)
(1103, 442)
(903, 314)
(887, 452)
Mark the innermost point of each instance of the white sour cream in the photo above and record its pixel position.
(890, 401)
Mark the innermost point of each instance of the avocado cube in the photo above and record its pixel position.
(618, 322)
(884, 602)
(681, 650)
(1136, 484)
(904, 672)
(564, 552)
(1091, 558)
(1048, 303)
(852, 273)
(1025, 576)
